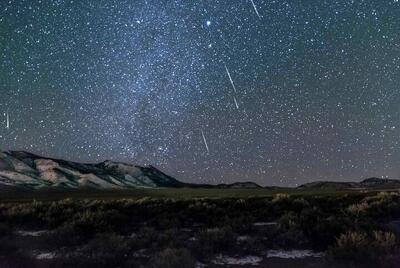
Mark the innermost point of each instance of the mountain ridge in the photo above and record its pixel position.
(27, 170)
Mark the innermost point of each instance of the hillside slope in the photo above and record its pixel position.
(28, 170)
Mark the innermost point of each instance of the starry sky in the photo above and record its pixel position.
(279, 92)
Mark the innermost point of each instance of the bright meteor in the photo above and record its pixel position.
(255, 8)
(205, 141)
(230, 78)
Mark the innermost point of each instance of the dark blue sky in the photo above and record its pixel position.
(314, 93)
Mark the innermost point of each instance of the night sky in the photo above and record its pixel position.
(276, 92)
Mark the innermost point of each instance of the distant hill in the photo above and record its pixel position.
(247, 184)
(328, 185)
(371, 183)
(377, 182)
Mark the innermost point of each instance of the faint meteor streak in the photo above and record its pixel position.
(230, 78)
(8, 121)
(205, 141)
(255, 8)
(236, 103)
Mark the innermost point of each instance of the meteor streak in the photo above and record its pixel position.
(236, 103)
(230, 78)
(205, 141)
(8, 121)
(255, 8)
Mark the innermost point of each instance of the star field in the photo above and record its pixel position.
(276, 92)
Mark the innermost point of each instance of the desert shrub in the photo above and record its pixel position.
(174, 238)
(25, 214)
(290, 233)
(146, 238)
(65, 236)
(383, 242)
(107, 250)
(150, 238)
(250, 245)
(94, 221)
(85, 225)
(240, 204)
(320, 228)
(351, 245)
(60, 212)
(300, 204)
(387, 195)
(165, 220)
(281, 204)
(81, 227)
(289, 220)
(291, 238)
(280, 197)
(356, 246)
(359, 209)
(215, 240)
(241, 223)
(384, 205)
(172, 258)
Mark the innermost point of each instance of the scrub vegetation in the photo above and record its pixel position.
(348, 228)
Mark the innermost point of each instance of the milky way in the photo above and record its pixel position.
(277, 92)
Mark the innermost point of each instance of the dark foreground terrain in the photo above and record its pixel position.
(200, 228)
